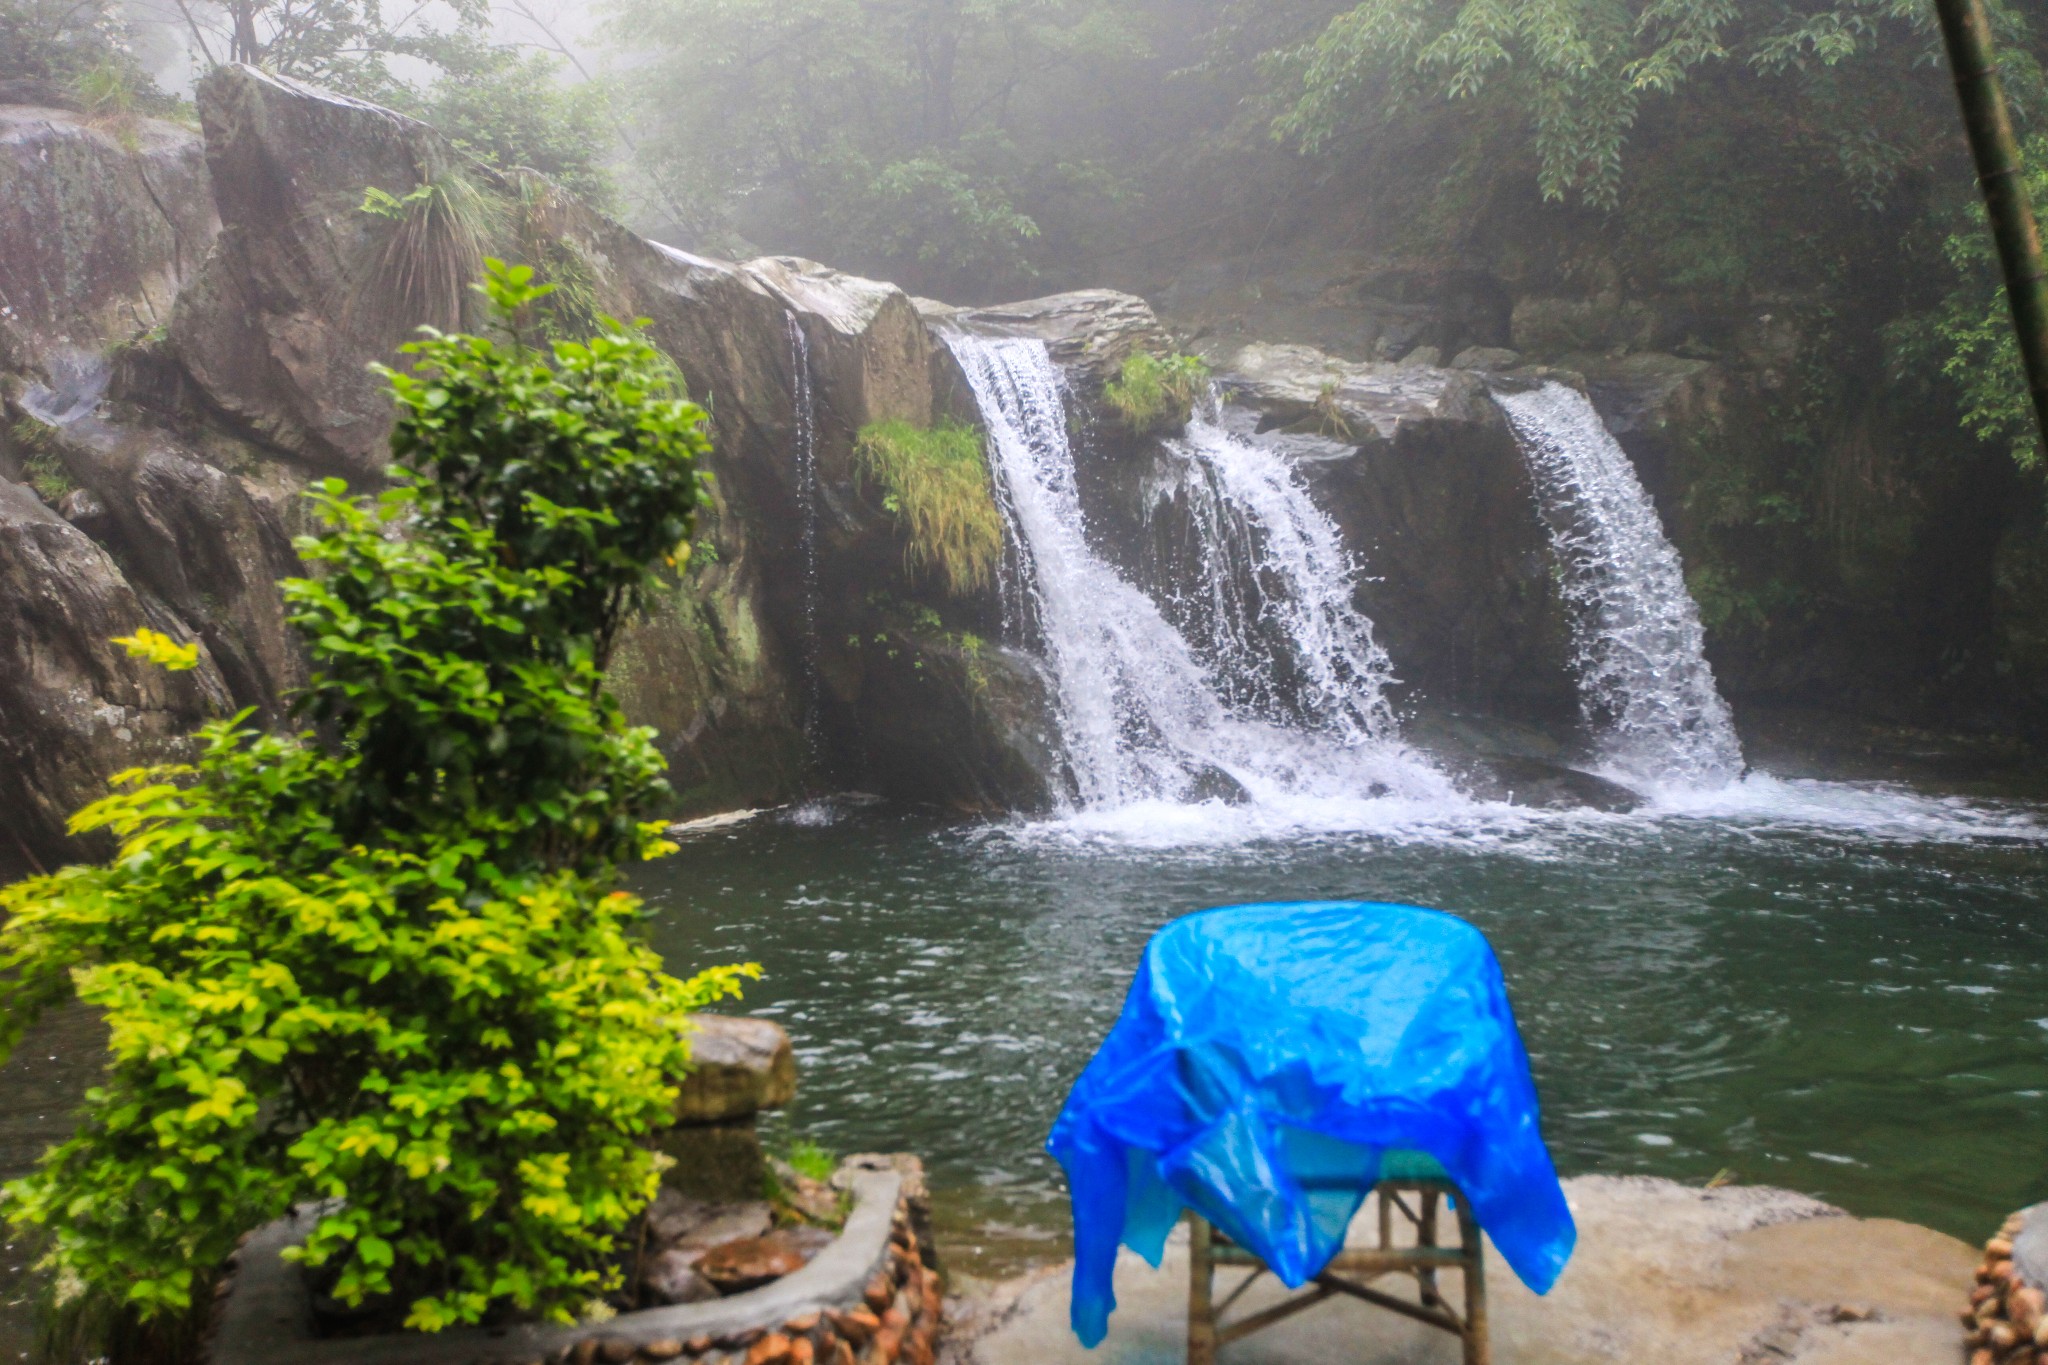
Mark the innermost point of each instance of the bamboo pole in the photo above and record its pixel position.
(1966, 29)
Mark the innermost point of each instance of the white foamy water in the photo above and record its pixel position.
(1142, 719)
(1887, 812)
(1148, 725)
(1276, 573)
(1759, 805)
(1644, 681)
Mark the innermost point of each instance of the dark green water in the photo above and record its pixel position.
(1835, 989)
(1859, 1016)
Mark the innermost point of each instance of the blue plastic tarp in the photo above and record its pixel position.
(1269, 1057)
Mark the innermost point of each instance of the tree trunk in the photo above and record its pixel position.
(1966, 29)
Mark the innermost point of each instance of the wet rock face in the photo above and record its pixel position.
(1089, 331)
(971, 723)
(1422, 477)
(101, 223)
(185, 407)
(193, 536)
(73, 706)
(1456, 571)
(1299, 387)
(276, 329)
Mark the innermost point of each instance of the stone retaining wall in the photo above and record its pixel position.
(871, 1298)
(2008, 1313)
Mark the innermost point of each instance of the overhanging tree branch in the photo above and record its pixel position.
(1966, 30)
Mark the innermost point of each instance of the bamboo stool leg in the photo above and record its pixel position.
(1426, 1237)
(1478, 1351)
(1201, 1292)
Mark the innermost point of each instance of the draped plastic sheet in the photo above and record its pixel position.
(1269, 1057)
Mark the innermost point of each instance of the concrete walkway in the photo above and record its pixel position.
(1664, 1274)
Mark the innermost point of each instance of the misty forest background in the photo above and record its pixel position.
(1779, 186)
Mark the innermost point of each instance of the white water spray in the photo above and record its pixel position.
(1276, 573)
(1644, 680)
(1141, 717)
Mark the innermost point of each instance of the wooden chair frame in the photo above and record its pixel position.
(1351, 1273)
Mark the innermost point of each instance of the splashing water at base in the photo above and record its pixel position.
(1280, 587)
(1644, 680)
(1147, 726)
(1141, 718)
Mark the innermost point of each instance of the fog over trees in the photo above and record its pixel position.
(1711, 169)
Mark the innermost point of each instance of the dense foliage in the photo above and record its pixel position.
(932, 142)
(59, 40)
(1974, 326)
(506, 105)
(383, 963)
(511, 109)
(935, 481)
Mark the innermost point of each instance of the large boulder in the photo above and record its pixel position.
(968, 722)
(280, 325)
(74, 707)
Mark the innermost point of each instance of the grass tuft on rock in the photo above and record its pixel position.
(430, 248)
(935, 481)
(1151, 395)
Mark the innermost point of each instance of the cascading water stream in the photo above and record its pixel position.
(803, 398)
(1258, 529)
(1141, 717)
(1644, 680)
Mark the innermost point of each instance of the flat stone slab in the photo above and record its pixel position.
(1373, 399)
(1742, 1275)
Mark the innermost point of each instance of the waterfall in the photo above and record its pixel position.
(1258, 529)
(1644, 681)
(806, 440)
(1141, 716)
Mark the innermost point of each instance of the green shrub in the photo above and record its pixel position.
(1152, 395)
(936, 482)
(383, 964)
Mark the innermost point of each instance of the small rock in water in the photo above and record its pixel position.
(1214, 784)
(1549, 786)
(671, 1277)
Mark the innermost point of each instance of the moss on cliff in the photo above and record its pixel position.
(935, 481)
